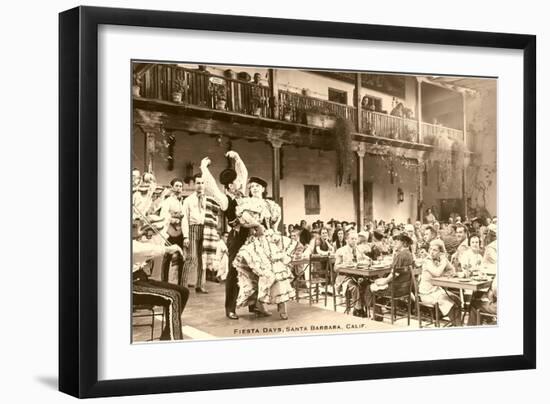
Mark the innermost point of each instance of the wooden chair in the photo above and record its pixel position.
(320, 274)
(397, 291)
(432, 309)
(481, 315)
(138, 312)
(149, 309)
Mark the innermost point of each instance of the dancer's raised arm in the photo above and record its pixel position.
(211, 187)
(240, 169)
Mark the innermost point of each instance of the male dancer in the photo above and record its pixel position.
(234, 181)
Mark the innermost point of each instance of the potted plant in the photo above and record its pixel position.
(230, 74)
(257, 100)
(178, 88)
(218, 90)
(287, 107)
(136, 86)
(244, 76)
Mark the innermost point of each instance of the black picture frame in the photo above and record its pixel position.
(78, 196)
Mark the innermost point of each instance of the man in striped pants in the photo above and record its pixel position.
(192, 225)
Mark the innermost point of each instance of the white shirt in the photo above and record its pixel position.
(193, 212)
(171, 207)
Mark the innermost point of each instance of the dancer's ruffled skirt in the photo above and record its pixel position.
(263, 273)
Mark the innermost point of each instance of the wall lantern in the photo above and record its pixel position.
(400, 195)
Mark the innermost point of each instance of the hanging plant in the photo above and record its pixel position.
(343, 145)
(448, 154)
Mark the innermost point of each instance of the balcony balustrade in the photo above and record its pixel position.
(206, 90)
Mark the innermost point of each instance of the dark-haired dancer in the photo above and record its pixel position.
(234, 182)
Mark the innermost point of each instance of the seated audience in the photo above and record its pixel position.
(401, 270)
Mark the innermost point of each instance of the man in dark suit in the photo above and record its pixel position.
(234, 181)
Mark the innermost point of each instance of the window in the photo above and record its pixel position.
(312, 199)
(337, 96)
(372, 103)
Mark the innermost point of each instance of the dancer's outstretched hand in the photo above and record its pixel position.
(205, 162)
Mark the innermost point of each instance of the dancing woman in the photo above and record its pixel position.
(262, 262)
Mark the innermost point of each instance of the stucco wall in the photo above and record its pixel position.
(481, 133)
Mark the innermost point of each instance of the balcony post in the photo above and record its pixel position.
(359, 117)
(150, 131)
(419, 108)
(274, 91)
(420, 180)
(361, 150)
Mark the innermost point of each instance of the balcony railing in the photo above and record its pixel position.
(206, 90)
(295, 107)
(389, 126)
(431, 132)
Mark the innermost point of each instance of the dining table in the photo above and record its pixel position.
(473, 284)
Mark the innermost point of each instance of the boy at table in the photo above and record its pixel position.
(345, 257)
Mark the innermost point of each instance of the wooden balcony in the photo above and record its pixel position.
(298, 108)
(389, 127)
(204, 90)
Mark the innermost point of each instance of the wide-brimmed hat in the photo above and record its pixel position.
(258, 180)
(153, 222)
(404, 238)
(378, 235)
(227, 176)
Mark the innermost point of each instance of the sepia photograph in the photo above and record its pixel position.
(282, 201)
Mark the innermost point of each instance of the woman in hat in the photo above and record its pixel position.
(435, 265)
(401, 270)
(262, 263)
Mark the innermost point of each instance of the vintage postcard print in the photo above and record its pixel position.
(285, 201)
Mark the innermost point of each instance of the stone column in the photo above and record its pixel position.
(150, 147)
(360, 150)
(276, 143)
